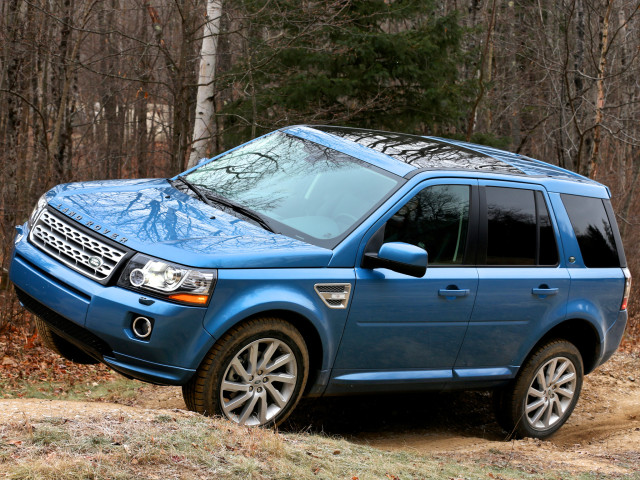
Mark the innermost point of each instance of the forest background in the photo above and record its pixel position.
(103, 89)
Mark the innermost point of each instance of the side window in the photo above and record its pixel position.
(593, 231)
(436, 219)
(511, 226)
(519, 229)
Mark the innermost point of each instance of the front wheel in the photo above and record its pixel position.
(544, 393)
(62, 347)
(254, 375)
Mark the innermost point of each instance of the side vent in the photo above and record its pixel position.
(334, 295)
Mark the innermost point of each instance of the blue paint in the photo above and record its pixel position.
(462, 325)
(403, 253)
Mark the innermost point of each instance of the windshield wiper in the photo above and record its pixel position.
(194, 189)
(247, 212)
(208, 198)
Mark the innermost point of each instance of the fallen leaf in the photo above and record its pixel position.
(8, 361)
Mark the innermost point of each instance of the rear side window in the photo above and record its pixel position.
(519, 230)
(593, 230)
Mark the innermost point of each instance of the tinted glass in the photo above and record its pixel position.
(511, 227)
(315, 193)
(593, 231)
(548, 254)
(436, 219)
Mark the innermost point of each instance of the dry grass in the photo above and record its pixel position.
(182, 445)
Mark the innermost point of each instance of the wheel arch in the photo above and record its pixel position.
(313, 337)
(580, 332)
(309, 333)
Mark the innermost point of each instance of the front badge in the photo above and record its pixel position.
(95, 262)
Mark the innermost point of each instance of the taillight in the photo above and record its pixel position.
(627, 288)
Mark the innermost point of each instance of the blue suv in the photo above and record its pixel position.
(296, 264)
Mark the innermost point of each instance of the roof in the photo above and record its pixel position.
(432, 153)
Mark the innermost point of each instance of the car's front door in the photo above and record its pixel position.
(408, 330)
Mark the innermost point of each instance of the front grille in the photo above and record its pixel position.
(72, 332)
(76, 249)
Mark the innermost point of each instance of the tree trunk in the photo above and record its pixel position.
(600, 94)
(13, 116)
(487, 51)
(60, 139)
(204, 127)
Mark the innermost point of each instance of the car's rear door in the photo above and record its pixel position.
(523, 287)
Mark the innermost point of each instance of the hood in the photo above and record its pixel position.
(152, 217)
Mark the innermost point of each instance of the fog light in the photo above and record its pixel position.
(141, 327)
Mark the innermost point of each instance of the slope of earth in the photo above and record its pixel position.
(602, 437)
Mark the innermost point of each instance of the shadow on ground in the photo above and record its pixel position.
(458, 414)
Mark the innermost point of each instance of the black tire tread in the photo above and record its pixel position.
(507, 401)
(194, 392)
(61, 346)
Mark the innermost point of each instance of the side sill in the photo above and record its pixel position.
(387, 381)
(492, 373)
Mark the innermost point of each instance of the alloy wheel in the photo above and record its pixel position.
(258, 382)
(550, 394)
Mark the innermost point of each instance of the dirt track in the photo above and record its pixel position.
(603, 434)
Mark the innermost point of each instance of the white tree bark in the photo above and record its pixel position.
(204, 127)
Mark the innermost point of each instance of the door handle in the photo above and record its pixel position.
(446, 292)
(544, 291)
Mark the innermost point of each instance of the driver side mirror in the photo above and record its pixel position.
(400, 257)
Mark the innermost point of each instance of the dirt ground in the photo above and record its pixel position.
(602, 436)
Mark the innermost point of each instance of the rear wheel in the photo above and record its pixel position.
(254, 375)
(62, 347)
(544, 393)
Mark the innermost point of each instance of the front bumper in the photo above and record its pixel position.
(98, 319)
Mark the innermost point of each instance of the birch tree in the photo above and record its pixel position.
(204, 127)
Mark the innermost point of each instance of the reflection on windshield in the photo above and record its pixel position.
(314, 190)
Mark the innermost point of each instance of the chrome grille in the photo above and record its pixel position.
(60, 239)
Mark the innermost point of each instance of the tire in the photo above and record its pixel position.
(254, 375)
(544, 393)
(62, 347)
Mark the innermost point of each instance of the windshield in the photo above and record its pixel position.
(305, 190)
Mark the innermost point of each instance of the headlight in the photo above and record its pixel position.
(168, 280)
(40, 206)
